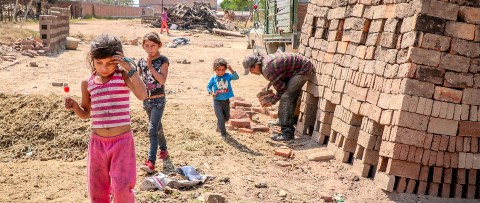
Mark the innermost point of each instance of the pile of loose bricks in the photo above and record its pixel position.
(397, 91)
(241, 114)
(54, 28)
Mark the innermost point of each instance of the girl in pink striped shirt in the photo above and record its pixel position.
(111, 164)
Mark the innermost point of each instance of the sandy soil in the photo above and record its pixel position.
(32, 119)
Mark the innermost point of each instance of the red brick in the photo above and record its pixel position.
(261, 128)
(454, 62)
(469, 15)
(407, 70)
(384, 181)
(433, 158)
(474, 147)
(477, 33)
(417, 88)
(437, 174)
(460, 30)
(285, 152)
(418, 155)
(430, 74)
(461, 176)
(424, 56)
(470, 191)
(411, 186)
(403, 169)
(462, 157)
(408, 136)
(447, 175)
(411, 120)
(245, 130)
(436, 142)
(401, 185)
(472, 177)
(433, 189)
(424, 171)
(236, 103)
(465, 48)
(447, 94)
(466, 144)
(469, 129)
(443, 126)
(454, 160)
(469, 161)
(444, 143)
(445, 190)
(443, 10)
(459, 144)
(458, 80)
(428, 141)
(451, 143)
(244, 122)
(404, 152)
(422, 187)
(435, 42)
(457, 191)
(447, 159)
(440, 159)
(426, 157)
(429, 24)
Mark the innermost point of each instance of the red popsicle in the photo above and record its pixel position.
(66, 89)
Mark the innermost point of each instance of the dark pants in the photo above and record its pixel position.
(154, 109)
(288, 102)
(222, 111)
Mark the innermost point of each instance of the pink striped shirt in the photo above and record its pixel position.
(110, 102)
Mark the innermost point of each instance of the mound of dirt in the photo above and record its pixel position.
(41, 125)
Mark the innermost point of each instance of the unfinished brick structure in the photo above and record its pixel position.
(396, 91)
(54, 28)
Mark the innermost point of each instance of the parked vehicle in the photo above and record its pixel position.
(276, 26)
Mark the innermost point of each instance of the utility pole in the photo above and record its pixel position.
(162, 6)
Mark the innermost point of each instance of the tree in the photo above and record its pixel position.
(236, 5)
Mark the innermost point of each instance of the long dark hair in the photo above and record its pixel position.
(152, 36)
(104, 46)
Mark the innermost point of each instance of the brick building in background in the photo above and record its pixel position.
(396, 91)
(157, 4)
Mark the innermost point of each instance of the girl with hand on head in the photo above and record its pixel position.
(111, 162)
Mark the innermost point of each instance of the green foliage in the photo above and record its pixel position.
(118, 2)
(236, 5)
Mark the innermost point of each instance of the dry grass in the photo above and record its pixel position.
(11, 32)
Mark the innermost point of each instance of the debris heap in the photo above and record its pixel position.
(200, 16)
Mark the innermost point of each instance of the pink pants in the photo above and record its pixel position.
(111, 166)
(164, 25)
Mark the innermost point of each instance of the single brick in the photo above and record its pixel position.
(285, 152)
(445, 193)
(454, 62)
(430, 74)
(408, 136)
(418, 88)
(403, 169)
(245, 130)
(470, 15)
(443, 143)
(429, 24)
(465, 48)
(447, 175)
(467, 144)
(470, 96)
(447, 94)
(451, 143)
(424, 56)
(458, 80)
(422, 188)
(459, 144)
(437, 174)
(442, 126)
(433, 189)
(443, 10)
(469, 129)
(460, 30)
(435, 42)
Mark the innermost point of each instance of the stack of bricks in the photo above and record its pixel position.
(54, 28)
(397, 85)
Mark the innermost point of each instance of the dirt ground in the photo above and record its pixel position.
(32, 119)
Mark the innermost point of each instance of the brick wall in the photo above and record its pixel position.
(102, 10)
(396, 91)
(54, 28)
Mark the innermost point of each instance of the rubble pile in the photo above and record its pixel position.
(27, 47)
(241, 115)
(200, 16)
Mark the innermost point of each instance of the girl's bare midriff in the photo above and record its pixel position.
(111, 132)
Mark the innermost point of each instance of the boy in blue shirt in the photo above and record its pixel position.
(221, 90)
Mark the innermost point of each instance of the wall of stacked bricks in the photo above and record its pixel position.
(83, 9)
(54, 28)
(396, 91)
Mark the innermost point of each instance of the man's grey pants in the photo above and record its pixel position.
(288, 102)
